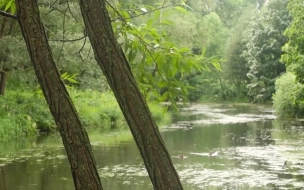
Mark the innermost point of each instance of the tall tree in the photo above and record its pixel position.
(116, 68)
(293, 55)
(234, 66)
(263, 53)
(5, 29)
(74, 136)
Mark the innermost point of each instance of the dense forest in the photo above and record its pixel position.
(200, 51)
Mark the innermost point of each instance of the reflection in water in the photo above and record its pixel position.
(212, 146)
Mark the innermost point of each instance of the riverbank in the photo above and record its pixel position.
(25, 113)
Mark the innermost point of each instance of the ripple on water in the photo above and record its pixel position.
(212, 114)
(204, 178)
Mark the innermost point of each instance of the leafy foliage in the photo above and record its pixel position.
(288, 99)
(24, 112)
(234, 65)
(158, 64)
(293, 55)
(8, 5)
(263, 53)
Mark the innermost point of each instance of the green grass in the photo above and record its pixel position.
(23, 112)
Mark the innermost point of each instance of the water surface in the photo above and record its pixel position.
(213, 146)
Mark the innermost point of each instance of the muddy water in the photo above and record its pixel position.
(212, 146)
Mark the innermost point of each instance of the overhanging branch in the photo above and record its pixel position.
(8, 15)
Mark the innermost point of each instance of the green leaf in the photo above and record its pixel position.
(150, 23)
(216, 64)
(131, 56)
(64, 75)
(166, 22)
(8, 5)
(183, 50)
(164, 96)
(13, 8)
(2, 3)
(181, 9)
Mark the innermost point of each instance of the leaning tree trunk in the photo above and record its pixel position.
(134, 107)
(74, 136)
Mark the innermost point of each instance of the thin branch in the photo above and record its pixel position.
(63, 35)
(82, 47)
(68, 40)
(3, 71)
(140, 39)
(70, 11)
(145, 44)
(120, 18)
(8, 15)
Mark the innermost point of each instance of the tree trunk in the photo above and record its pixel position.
(74, 136)
(5, 29)
(2, 81)
(114, 65)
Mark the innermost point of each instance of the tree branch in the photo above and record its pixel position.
(8, 15)
(120, 18)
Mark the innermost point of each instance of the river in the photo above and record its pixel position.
(213, 146)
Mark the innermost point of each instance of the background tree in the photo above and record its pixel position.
(234, 65)
(263, 53)
(288, 99)
(6, 30)
(293, 55)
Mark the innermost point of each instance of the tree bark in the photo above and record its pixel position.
(2, 81)
(114, 65)
(74, 136)
(6, 26)
(5, 29)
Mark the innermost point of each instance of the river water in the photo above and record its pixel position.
(213, 146)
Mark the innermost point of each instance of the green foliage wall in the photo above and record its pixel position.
(289, 96)
(263, 49)
(234, 65)
(289, 99)
(294, 50)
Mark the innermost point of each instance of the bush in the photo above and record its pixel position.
(25, 109)
(24, 112)
(288, 100)
(16, 126)
(98, 109)
(102, 110)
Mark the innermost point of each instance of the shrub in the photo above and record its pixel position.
(24, 112)
(102, 110)
(16, 126)
(26, 102)
(98, 109)
(288, 100)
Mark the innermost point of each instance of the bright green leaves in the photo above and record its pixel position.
(158, 64)
(180, 9)
(8, 5)
(294, 49)
(69, 78)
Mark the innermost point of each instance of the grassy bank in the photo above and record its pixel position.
(24, 113)
(49, 146)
